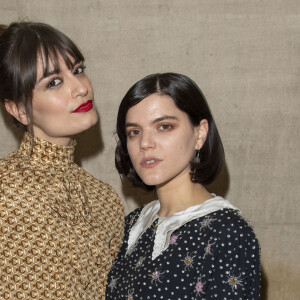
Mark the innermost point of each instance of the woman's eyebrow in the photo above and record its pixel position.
(129, 124)
(56, 71)
(159, 119)
(76, 62)
(165, 117)
(47, 74)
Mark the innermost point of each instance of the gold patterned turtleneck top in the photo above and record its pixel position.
(60, 228)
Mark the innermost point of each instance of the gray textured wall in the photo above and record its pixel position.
(244, 54)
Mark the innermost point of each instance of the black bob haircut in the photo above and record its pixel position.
(188, 97)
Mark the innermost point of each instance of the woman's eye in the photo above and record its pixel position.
(165, 127)
(132, 133)
(53, 83)
(79, 70)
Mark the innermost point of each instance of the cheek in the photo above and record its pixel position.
(181, 143)
(185, 147)
(53, 105)
(131, 148)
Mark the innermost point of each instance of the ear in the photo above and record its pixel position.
(17, 111)
(201, 131)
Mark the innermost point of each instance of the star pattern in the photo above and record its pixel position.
(213, 257)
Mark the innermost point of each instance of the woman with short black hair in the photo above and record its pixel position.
(188, 244)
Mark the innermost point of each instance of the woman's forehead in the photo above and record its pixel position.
(53, 62)
(153, 107)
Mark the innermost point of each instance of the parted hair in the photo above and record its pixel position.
(22, 44)
(188, 97)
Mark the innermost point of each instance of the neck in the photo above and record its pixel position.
(180, 194)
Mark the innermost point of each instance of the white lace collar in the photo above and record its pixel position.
(170, 224)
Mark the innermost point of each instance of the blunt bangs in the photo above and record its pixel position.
(23, 44)
(51, 46)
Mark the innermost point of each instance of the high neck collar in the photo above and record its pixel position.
(45, 152)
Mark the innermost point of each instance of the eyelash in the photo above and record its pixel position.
(82, 67)
(79, 70)
(135, 132)
(52, 83)
(165, 125)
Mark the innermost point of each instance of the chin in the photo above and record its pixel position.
(93, 120)
(153, 181)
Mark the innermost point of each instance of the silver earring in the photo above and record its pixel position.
(197, 156)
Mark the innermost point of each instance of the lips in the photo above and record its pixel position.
(84, 107)
(150, 162)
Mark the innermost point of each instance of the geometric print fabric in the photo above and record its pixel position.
(60, 228)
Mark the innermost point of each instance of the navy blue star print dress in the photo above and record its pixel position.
(215, 256)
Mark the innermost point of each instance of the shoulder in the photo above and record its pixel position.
(130, 220)
(8, 158)
(228, 224)
(132, 217)
(9, 163)
(230, 218)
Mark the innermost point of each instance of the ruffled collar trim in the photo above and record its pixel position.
(170, 224)
(45, 152)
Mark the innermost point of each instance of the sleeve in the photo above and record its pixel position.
(234, 264)
(118, 234)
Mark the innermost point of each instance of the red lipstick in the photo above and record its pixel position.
(84, 107)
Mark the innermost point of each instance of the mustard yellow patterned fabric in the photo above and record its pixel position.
(60, 228)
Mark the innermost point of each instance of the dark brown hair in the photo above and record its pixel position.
(188, 97)
(21, 45)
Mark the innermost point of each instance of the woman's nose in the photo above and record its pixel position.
(79, 88)
(147, 140)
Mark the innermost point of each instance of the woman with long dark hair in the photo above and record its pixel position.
(60, 228)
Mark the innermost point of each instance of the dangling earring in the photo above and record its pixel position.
(196, 161)
(197, 156)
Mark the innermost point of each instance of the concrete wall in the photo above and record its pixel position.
(244, 54)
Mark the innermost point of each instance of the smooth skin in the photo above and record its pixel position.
(55, 97)
(161, 142)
